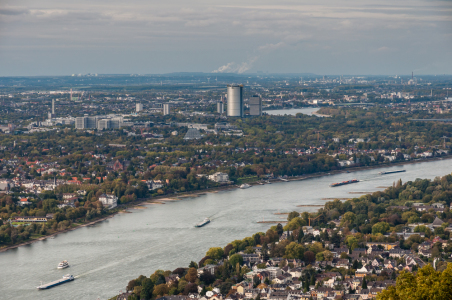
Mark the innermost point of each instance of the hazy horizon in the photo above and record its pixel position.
(347, 37)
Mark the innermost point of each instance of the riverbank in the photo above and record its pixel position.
(58, 232)
(363, 168)
(178, 197)
(321, 115)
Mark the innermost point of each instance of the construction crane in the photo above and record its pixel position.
(313, 219)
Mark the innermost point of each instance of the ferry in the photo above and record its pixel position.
(203, 223)
(66, 278)
(391, 172)
(245, 186)
(63, 265)
(344, 182)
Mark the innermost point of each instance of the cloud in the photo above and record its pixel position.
(168, 36)
(233, 67)
(13, 11)
(270, 47)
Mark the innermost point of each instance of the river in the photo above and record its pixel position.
(105, 256)
(292, 111)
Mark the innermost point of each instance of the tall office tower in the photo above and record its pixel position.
(53, 106)
(166, 109)
(220, 107)
(235, 101)
(139, 107)
(255, 106)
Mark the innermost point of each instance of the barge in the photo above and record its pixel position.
(392, 172)
(203, 223)
(66, 278)
(344, 182)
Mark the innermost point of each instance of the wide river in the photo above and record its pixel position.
(292, 111)
(104, 257)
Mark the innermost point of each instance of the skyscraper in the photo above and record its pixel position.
(255, 105)
(139, 107)
(235, 101)
(166, 109)
(220, 107)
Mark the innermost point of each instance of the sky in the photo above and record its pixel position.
(325, 37)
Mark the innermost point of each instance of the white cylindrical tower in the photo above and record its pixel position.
(235, 101)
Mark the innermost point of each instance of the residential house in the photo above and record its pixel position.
(108, 200)
(24, 202)
(219, 177)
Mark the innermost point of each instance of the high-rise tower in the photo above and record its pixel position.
(235, 101)
(255, 104)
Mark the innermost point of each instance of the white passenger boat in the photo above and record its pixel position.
(63, 265)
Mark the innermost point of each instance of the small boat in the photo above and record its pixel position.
(66, 278)
(283, 179)
(203, 223)
(245, 186)
(391, 172)
(63, 265)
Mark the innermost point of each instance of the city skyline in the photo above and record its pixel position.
(340, 37)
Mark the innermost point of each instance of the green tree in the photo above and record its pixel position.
(160, 290)
(236, 259)
(295, 223)
(215, 253)
(380, 227)
(147, 289)
(348, 217)
(309, 257)
(425, 284)
(192, 275)
(279, 229)
(292, 215)
(294, 250)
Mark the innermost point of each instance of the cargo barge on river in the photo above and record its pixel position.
(203, 223)
(392, 172)
(344, 182)
(66, 278)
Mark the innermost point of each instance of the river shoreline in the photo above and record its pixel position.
(178, 197)
(58, 232)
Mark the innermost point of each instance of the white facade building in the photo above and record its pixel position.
(219, 177)
(109, 200)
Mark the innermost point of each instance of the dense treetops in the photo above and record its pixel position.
(425, 284)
